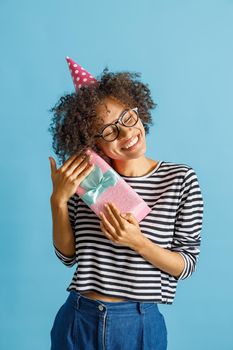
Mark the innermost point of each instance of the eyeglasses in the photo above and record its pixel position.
(128, 118)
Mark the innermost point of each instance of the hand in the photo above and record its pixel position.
(121, 228)
(68, 177)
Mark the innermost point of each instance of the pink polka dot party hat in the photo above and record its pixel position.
(81, 77)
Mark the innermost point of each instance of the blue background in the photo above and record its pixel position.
(184, 50)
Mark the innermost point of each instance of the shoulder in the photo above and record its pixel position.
(179, 168)
(182, 171)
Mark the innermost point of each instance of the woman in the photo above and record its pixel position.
(124, 269)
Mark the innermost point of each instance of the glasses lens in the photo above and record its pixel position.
(130, 118)
(110, 132)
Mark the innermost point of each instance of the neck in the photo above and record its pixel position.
(134, 167)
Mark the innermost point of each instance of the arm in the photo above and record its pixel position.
(181, 260)
(170, 262)
(63, 236)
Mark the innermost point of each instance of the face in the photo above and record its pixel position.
(109, 110)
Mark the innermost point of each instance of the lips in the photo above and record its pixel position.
(129, 140)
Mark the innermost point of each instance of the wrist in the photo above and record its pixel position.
(140, 244)
(58, 202)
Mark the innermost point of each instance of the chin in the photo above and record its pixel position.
(137, 155)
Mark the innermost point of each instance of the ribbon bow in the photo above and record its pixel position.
(96, 183)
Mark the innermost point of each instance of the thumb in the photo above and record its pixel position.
(130, 217)
(52, 164)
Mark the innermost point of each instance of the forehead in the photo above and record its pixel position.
(110, 109)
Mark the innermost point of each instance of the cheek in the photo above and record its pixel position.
(141, 127)
(107, 148)
(142, 130)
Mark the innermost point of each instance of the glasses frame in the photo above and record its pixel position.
(119, 120)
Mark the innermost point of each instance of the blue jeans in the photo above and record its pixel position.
(87, 324)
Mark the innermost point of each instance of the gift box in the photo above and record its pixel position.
(104, 185)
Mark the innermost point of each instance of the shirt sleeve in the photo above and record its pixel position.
(188, 224)
(71, 205)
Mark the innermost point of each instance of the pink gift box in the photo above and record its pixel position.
(104, 185)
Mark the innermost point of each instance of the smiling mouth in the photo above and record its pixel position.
(132, 143)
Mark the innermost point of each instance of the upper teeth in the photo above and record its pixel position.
(131, 143)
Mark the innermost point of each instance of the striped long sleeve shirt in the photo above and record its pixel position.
(173, 193)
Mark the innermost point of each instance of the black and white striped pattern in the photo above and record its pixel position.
(175, 222)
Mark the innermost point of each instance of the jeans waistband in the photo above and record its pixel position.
(99, 306)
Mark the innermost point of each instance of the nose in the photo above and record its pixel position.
(123, 131)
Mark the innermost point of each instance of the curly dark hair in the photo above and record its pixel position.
(75, 122)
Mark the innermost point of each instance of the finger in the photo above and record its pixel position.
(53, 166)
(130, 217)
(70, 160)
(82, 168)
(117, 214)
(81, 176)
(78, 161)
(104, 230)
(107, 225)
(113, 215)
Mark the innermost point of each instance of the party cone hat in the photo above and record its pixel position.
(81, 77)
